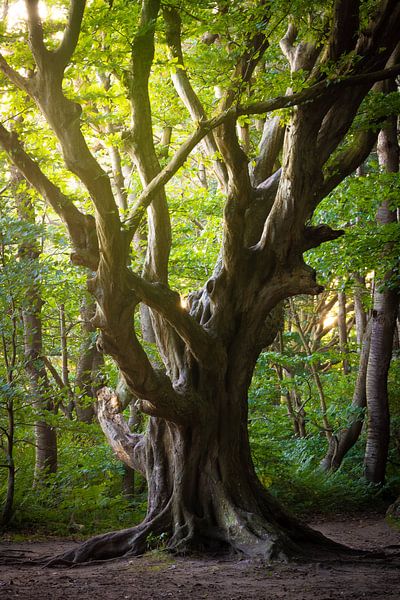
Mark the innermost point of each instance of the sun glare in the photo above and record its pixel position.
(17, 14)
(329, 321)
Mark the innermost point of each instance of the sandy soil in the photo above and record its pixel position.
(158, 575)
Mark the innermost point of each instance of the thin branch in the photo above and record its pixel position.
(80, 226)
(307, 95)
(35, 28)
(21, 82)
(57, 378)
(71, 34)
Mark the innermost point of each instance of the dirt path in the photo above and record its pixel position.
(158, 576)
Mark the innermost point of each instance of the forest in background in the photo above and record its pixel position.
(58, 474)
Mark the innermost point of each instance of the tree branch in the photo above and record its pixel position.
(81, 227)
(287, 43)
(141, 145)
(305, 96)
(21, 82)
(71, 34)
(315, 236)
(129, 447)
(184, 88)
(167, 303)
(347, 161)
(35, 28)
(56, 376)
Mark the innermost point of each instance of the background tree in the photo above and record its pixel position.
(384, 314)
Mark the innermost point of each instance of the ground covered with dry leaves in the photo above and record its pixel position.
(158, 575)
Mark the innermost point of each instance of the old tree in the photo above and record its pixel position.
(202, 489)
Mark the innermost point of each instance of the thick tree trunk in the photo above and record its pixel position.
(384, 314)
(203, 493)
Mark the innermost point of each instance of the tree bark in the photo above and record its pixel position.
(384, 314)
(360, 313)
(88, 366)
(343, 441)
(342, 328)
(45, 434)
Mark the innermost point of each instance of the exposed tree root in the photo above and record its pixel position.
(127, 542)
(250, 536)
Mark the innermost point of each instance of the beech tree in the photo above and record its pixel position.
(202, 488)
(384, 315)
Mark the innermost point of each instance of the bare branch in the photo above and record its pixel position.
(36, 41)
(21, 82)
(71, 34)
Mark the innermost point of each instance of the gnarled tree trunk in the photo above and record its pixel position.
(203, 491)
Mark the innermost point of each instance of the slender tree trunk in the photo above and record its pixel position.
(9, 431)
(10, 354)
(45, 434)
(360, 313)
(315, 374)
(87, 368)
(64, 360)
(342, 328)
(386, 303)
(343, 441)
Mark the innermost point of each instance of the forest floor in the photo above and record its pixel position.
(158, 575)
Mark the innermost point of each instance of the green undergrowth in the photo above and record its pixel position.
(84, 497)
(289, 468)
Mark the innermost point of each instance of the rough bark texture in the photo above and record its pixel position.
(195, 454)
